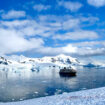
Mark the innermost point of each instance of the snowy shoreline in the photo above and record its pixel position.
(85, 97)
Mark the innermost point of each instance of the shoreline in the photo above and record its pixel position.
(83, 97)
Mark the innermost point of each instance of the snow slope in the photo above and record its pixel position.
(86, 97)
(12, 65)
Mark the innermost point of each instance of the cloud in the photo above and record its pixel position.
(72, 6)
(28, 35)
(28, 27)
(12, 41)
(90, 48)
(15, 36)
(90, 44)
(68, 49)
(88, 51)
(21, 36)
(13, 14)
(72, 50)
(96, 3)
(77, 35)
(71, 23)
(67, 22)
(41, 7)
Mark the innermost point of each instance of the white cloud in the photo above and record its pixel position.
(23, 34)
(16, 38)
(67, 22)
(90, 44)
(90, 48)
(15, 23)
(88, 51)
(68, 49)
(11, 41)
(27, 27)
(41, 7)
(71, 49)
(96, 3)
(13, 14)
(71, 23)
(77, 35)
(72, 6)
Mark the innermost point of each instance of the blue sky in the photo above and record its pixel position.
(37, 28)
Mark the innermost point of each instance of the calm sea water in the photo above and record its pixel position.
(22, 85)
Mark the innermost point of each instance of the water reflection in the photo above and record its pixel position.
(24, 84)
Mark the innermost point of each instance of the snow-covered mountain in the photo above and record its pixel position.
(6, 64)
(4, 61)
(60, 60)
(34, 63)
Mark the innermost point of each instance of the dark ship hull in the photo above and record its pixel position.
(67, 72)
